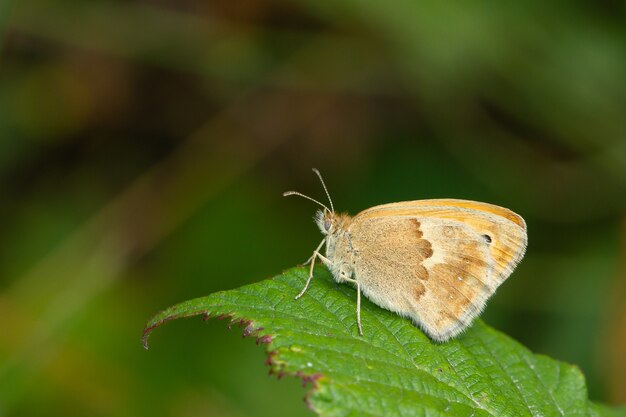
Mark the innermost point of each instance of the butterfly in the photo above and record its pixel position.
(434, 261)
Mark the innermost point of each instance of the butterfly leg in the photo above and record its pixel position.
(316, 254)
(316, 250)
(358, 302)
(358, 307)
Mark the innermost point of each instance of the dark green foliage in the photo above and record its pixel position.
(394, 369)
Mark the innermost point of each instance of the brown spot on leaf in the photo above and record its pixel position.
(267, 339)
(306, 379)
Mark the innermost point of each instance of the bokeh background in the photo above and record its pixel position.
(145, 146)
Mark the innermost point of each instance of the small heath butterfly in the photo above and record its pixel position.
(435, 261)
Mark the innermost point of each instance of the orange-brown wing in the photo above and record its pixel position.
(436, 261)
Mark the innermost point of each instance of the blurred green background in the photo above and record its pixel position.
(145, 146)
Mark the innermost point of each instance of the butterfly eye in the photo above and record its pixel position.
(327, 225)
(487, 238)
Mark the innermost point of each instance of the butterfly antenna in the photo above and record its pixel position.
(285, 194)
(332, 209)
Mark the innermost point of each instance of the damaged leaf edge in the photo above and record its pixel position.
(277, 367)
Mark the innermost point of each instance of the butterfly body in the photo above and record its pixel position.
(433, 261)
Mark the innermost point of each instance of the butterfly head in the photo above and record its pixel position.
(326, 221)
(331, 223)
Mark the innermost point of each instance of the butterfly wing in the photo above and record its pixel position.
(436, 261)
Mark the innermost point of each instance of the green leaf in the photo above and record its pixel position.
(394, 369)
